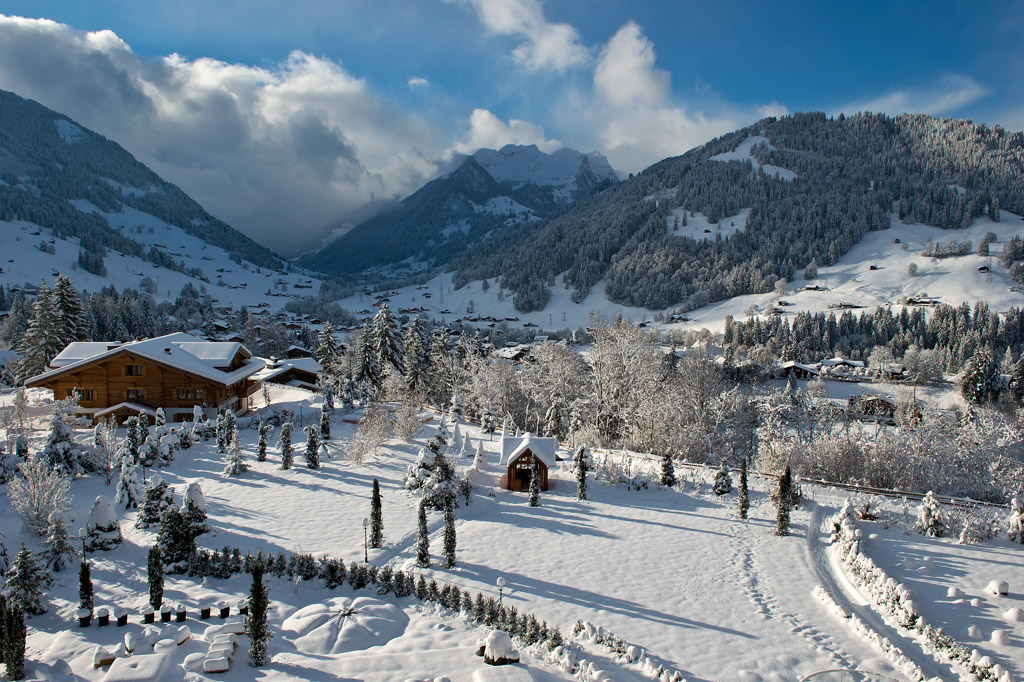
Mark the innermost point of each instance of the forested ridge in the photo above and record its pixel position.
(47, 160)
(850, 173)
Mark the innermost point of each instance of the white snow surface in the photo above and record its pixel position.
(68, 132)
(743, 153)
(673, 572)
(699, 228)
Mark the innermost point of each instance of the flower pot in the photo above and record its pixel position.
(243, 606)
(102, 617)
(148, 616)
(225, 609)
(204, 611)
(165, 614)
(122, 617)
(180, 613)
(84, 617)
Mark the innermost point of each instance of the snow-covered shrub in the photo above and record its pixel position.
(433, 474)
(37, 493)
(931, 519)
(369, 434)
(129, 490)
(8, 464)
(1015, 523)
(723, 481)
(25, 583)
(103, 531)
(61, 453)
(59, 550)
(156, 498)
(193, 509)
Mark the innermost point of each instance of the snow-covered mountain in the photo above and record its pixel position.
(485, 194)
(72, 201)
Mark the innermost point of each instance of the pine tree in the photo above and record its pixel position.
(328, 353)
(59, 549)
(193, 511)
(25, 583)
(176, 542)
(422, 537)
(284, 443)
(367, 374)
(386, 345)
(668, 471)
(155, 573)
(71, 318)
(256, 622)
(41, 341)
(580, 459)
(263, 429)
(60, 452)
(222, 433)
(415, 355)
(376, 517)
(325, 422)
(449, 536)
(85, 591)
(14, 641)
(784, 503)
(981, 381)
(744, 495)
(534, 481)
(312, 446)
(129, 491)
(236, 463)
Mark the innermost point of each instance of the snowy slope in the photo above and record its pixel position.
(521, 164)
(743, 152)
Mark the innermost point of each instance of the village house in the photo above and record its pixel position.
(175, 372)
(297, 372)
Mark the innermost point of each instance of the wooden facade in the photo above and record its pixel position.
(122, 383)
(520, 471)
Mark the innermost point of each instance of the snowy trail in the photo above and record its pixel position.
(852, 601)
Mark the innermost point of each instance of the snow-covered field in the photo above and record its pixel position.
(673, 571)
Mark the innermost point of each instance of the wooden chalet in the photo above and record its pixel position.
(175, 372)
(517, 458)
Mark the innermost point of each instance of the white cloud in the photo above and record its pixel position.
(271, 150)
(417, 82)
(773, 108)
(545, 45)
(487, 130)
(639, 123)
(948, 93)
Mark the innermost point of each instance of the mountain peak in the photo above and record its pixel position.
(522, 164)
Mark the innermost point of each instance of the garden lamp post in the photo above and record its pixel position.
(83, 534)
(501, 588)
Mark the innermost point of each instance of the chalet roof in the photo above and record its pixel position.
(134, 407)
(543, 448)
(284, 365)
(832, 362)
(798, 365)
(181, 351)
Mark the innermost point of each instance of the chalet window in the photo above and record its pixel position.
(190, 394)
(135, 393)
(87, 393)
(133, 370)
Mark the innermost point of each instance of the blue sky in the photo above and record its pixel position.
(268, 105)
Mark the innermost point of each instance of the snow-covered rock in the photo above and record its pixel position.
(497, 648)
(998, 588)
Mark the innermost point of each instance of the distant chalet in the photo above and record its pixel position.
(175, 372)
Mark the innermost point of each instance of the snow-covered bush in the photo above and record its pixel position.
(1015, 524)
(60, 452)
(931, 519)
(433, 474)
(193, 509)
(723, 481)
(129, 490)
(103, 531)
(369, 434)
(25, 583)
(156, 498)
(235, 463)
(37, 493)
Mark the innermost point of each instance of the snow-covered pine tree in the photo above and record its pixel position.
(256, 622)
(580, 464)
(449, 536)
(157, 496)
(1015, 524)
(980, 381)
(160, 419)
(415, 355)
(59, 549)
(130, 445)
(367, 373)
(41, 341)
(784, 503)
(222, 433)
(177, 544)
(668, 471)
(931, 520)
(387, 346)
(263, 429)
(14, 641)
(325, 423)
(103, 530)
(72, 321)
(193, 510)
(488, 422)
(376, 517)
(25, 583)
(155, 577)
(328, 353)
(534, 481)
(744, 500)
(312, 446)
(723, 481)
(60, 453)
(422, 537)
(129, 491)
(37, 493)
(284, 443)
(236, 463)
